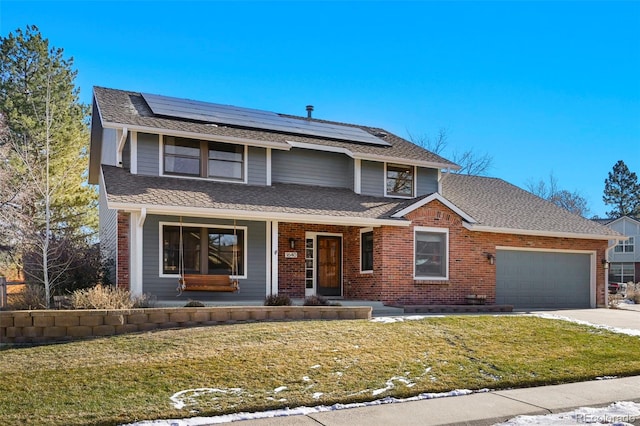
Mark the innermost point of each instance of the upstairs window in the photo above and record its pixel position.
(400, 180)
(190, 157)
(624, 246)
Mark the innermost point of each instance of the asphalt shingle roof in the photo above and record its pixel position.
(498, 204)
(130, 109)
(123, 187)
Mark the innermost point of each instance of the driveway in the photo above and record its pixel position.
(626, 316)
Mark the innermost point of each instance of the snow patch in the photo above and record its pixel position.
(279, 389)
(188, 396)
(618, 413)
(627, 331)
(285, 412)
(391, 320)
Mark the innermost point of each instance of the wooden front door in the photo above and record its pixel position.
(329, 266)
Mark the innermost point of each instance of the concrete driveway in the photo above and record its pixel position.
(626, 316)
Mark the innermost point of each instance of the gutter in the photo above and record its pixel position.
(257, 216)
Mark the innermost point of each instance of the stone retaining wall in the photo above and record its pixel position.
(43, 326)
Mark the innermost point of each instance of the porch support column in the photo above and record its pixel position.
(135, 254)
(274, 258)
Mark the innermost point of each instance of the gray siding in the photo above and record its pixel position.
(109, 147)
(427, 181)
(372, 178)
(251, 288)
(257, 163)
(108, 232)
(148, 154)
(308, 167)
(126, 153)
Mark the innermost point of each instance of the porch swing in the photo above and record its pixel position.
(215, 283)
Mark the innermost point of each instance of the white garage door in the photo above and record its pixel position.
(532, 279)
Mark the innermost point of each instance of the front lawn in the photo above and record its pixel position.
(253, 367)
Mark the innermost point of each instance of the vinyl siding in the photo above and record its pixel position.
(372, 178)
(148, 154)
(251, 288)
(109, 147)
(257, 163)
(427, 181)
(308, 167)
(108, 231)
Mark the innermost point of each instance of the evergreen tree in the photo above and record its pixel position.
(52, 209)
(622, 191)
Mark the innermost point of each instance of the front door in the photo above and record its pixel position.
(329, 266)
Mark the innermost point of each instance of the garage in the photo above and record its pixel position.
(540, 279)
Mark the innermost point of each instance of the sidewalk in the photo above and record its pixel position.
(475, 409)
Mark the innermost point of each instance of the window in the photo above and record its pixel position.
(225, 254)
(400, 180)
(431, 253)
(624, 246)
(621, 272)
(184, 156)
(366, 251)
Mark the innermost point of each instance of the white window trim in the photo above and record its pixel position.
(413, 257)
(364, 271)
(413, 188)
(245, 164)
(161, 225)
(314, 235)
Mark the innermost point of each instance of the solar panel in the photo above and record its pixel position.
(253, 118)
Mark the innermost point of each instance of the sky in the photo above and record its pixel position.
(542, 87)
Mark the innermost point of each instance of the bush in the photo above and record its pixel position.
(194, 304)
(277, 300)
(32, 297)
(108, 297)
(319, 301)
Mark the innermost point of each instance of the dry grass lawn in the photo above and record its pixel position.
(262, 366)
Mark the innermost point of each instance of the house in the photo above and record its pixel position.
(624, 259)
(302, 206)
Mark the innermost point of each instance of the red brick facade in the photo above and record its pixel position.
(392, 279)
(122, 269)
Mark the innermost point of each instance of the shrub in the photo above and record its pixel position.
(277, 300)
(194, 304)
(108, 297)
(32, 297)
(319, 301)
(315, 301)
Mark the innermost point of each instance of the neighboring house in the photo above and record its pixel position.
(301, 206)
(624, 258)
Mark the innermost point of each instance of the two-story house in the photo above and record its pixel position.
(624, 258)
(197, 198)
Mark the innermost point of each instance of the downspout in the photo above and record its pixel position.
(121, 142)
(612, 244)
(442, 178)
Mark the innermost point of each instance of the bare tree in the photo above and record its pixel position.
(550, 190)
(470, 161)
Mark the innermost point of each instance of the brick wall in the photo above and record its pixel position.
(469, 270)
(122, 272)
(392, 281)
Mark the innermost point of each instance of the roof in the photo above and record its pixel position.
(279, 201)
(499, 206)
(611, 220)
(120, 108)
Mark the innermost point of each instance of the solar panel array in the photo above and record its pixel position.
(255, 119)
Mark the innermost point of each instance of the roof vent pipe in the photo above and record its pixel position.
(309, 111)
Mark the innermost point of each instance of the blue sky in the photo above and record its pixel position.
(542, 87)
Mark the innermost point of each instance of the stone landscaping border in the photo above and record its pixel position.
(43, 326)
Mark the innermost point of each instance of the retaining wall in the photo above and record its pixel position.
(43, 326)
